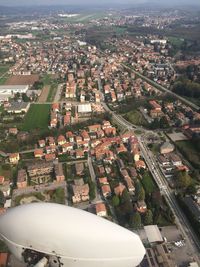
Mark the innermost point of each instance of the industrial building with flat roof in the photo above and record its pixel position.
(7, 91)
(18, 107)
(84, 108)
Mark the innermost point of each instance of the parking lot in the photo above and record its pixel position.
(176, 244)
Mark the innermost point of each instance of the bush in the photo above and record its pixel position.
(92, 190)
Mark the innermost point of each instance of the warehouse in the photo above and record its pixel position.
(84, 108)
(18, 107)
(7, 91)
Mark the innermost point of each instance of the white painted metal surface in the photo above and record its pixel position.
(78, 237)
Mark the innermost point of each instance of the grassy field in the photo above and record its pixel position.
(135, 117)
(6, 172)
(1, 109)
(46, 79)
(155, 148)
(58, 196)
(4, 69)
(119, 29)
(148, 183)
(84, 18)
(3, 80)
(190, 152)
(52, 83)
(52, 93)
(176, 41)
(37, 117)
(55, 196)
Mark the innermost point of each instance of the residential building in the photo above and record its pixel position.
(101, 209)
(13, 131)
(106, 190)
(61, 140)
(81, 193)
(175, 160)
(141, 206)
(40, 172)
(38, 153)
(22, 179)
(50, 157)
(140, 165)
(41, 143)
(14, 158)
(94, 128)
(67, 147)
(5, 188)
(58, 168)
(119, 189)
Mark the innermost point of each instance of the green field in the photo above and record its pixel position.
(3, 70)
(47, 79)
(52, 93)
(176, 41)
(83, 18)
(37, 117)
(135, 117)
(55, 196)
(119, 29)
(148, 183)
(3, 80)
(6, 171)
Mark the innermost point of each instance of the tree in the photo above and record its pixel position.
(183, 179)
(2, 199)
(141, 195)
(191, 189)
(25, 98)
(92, 190)
(139, 191)
(164, 122)
(115, 201)
(148, 217)
(125, 196)
(136, 221)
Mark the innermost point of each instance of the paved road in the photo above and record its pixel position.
(27, 151)
(180, 218)
(93, 177)
(43, 97)
(58, 93)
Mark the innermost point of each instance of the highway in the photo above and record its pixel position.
(180, 218)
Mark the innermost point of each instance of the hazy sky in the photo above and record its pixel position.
(93, 2)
